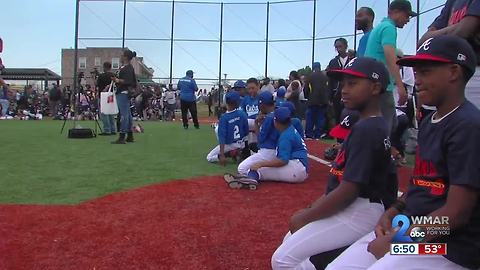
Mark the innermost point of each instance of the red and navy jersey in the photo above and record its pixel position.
(365, 159)
(453, 12)
(447, 155)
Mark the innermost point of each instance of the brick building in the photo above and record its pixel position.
(90, 60)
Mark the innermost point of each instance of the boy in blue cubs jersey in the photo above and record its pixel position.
(446, 177)
(250, 102)
(250, 106)
(232, 130)
(291, 161)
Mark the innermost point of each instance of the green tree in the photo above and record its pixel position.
(305, 71)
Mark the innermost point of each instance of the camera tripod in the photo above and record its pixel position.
(76, 111)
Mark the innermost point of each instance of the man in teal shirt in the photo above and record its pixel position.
(382, 45)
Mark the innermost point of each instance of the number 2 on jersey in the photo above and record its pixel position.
(236, 132)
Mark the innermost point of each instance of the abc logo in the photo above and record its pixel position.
(417, 234)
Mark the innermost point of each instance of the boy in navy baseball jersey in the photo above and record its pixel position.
(357, 183)
(446, 178)
(232, 131)
(291, 161)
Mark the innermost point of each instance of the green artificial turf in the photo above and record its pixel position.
(40, 166)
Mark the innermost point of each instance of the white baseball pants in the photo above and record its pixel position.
(339, 230)
(213, 155)
(262, 155)
(252, 137)
(356, 257)
(293, 172)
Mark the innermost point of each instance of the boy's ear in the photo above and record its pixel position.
(377, 88)
(456, 73)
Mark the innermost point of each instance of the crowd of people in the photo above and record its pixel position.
(372, 98)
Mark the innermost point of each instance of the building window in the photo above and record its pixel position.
(82, 62)
(115, 63)
(98, 61)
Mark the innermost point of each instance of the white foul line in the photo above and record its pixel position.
(319, 160)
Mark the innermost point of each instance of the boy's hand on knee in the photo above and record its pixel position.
(384, 224)
(298, 220)
(381, 245)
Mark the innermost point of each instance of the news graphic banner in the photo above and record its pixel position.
(413, 231)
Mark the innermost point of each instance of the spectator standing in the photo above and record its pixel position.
(267, 86)
(209, 104)
(317, 95)
(364, 21)
(382, 45)
(4, 103)
(461, 18)
(54, 98)
(103, 82)
(126, 83)
(335, 88)
(188, 87)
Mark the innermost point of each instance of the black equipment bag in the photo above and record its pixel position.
(81, 133)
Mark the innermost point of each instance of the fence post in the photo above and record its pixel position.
(124, 22)
(355, 27)
(171, 41)
(314, 34)
(220, 61)
(266, 39)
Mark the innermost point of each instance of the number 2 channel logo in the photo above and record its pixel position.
(417, 234)
(400, 236)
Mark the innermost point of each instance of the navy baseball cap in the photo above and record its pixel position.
(349, 118)
(316, 65)
(289, 105)
(232, 97)
(364, 67)
(281, 91)
(402, 5)
(266, 98)
(444, 49)
(282, 115)
(239, 84)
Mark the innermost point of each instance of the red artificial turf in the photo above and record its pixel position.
(189, 224)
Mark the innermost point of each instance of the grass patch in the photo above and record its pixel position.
(40, 166)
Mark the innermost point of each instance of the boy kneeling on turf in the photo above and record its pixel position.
(357, 184)
(232, 131)
(446, 178)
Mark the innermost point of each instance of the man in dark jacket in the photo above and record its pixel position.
(339, 62)
(317, 95)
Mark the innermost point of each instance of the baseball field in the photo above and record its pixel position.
(154, 204)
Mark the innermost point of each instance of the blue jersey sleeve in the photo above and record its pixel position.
(223, 130)
(284, 149)
(244, 125)
(265, 129)
(195, 87)
(297, 124)
(243, 104)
